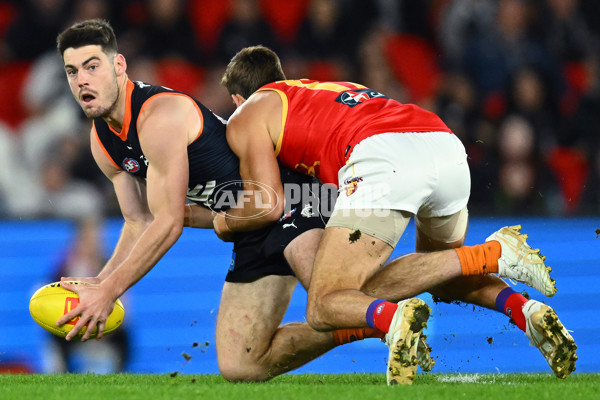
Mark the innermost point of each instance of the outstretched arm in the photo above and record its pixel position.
(136, 214)
(163, 131)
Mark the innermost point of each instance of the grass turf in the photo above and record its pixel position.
(291, 386)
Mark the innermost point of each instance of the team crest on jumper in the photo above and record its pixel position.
(130, 165)
(350, 185)
(354, 97)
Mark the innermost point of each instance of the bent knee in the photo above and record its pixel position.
(316, 316)
(243, 372)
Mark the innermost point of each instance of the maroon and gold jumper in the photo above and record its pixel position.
(323, 121)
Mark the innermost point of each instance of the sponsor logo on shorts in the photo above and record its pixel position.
(291, 225)
(316, 200)
(287, 215)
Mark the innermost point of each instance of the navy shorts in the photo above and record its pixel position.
(260, 253)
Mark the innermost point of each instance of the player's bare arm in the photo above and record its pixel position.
(131, 194)
(197, 216)
(165, 126)
(252, 132)
(135, 211)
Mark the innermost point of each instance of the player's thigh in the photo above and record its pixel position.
(442, 219)
(300, 254)
(441, 233)
(249, 315)
(355, 245)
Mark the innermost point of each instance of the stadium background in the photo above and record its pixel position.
(517, 81)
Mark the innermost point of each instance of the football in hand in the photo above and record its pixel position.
(49, 303)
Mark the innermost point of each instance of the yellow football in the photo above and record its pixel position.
(52, 301)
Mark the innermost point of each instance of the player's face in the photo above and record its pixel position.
(93, 79)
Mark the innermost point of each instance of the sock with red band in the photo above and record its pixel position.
(380, 314)
(511, 303)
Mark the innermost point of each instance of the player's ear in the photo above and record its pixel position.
(238, 100)
(120, 64)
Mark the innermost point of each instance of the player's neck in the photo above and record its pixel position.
(116, 117)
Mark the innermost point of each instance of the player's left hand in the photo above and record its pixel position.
(221, 228)
(95, 305)
(91, 279)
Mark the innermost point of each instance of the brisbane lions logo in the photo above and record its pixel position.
(130, 165)
(354, 97)
(350, 185)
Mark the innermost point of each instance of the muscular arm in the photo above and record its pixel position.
(163, 136)
(197, 216)
(137, 218)
(249, 136)
(153, 218)
(131, 194)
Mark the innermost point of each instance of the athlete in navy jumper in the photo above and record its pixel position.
(214, 181)
(161, 148)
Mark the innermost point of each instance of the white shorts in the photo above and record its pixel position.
(424, 173)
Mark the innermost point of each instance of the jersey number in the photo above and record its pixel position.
(201, 193)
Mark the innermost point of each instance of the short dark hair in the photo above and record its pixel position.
(250, 69)
(89, 32)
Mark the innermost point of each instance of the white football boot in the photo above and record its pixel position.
(403, 340)
(424, 359)
(520, 262)
(548, 334)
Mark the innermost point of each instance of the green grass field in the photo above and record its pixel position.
(289, 387)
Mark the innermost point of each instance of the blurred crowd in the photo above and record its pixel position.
(516, 80)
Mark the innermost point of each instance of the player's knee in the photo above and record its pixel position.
(244, 365)
(243, 372)
(316, 315)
